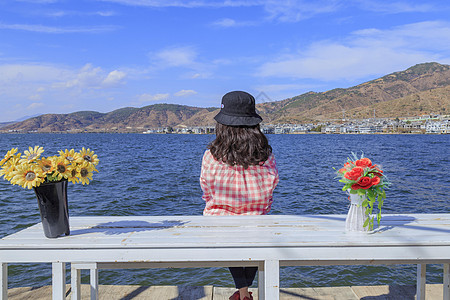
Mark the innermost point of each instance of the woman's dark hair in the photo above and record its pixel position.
(240, 145)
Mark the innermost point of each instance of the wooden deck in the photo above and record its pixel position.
(136, 292)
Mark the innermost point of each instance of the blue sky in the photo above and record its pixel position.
(61, 56)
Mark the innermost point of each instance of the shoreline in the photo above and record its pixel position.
(294, 133)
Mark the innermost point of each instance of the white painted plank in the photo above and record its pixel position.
(180, 239)
(261, 281)
(305, 255)
(84, 223)
(272, 279)
(320, 221)
(175, 264)
(105, 236)
(446, 281)
(58, 280)
(421, 281)
(75, 283)
(3, 280)
(94, 283)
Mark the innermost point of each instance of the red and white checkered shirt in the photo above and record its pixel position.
(233, 190)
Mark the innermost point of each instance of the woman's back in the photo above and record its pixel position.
(235, 190)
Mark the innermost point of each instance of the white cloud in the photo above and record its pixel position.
(297, 10)
(365, 53)
(271, 88)
(58, 13)
(39, 87)
(185, 58)
(17, 73)
(45, 81)
(58, 30)
(93, 77)
(284, 11)
(432, 35)
(151, 98)
(114, 78)
(394, 7)
(187, 4)
(183, 93)
(88, 76)
(39, 1)
(35, 97)
(227, 22)
(107, 13)
(35, 105)
(288, 10)
(177, 56)
(63, 13)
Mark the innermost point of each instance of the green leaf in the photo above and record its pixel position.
(378, 218)
(366, 222)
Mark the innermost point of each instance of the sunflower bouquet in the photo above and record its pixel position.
(30, 169)
(361, 177)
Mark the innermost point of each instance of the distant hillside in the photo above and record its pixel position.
(4, 124)
(421, 89)
(435, 101)
(413, 81)
(124, 119)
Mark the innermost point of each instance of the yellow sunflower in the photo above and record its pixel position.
(85, 172)
(74, 175)
(47, 165)
(62, 168)
(27, 176)
(88, 156)
(9, 167)
(70, 155)
(32, 154)
(8, 155)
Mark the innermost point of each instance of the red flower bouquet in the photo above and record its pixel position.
(362, 177)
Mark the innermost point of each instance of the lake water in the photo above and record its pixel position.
(149, 174)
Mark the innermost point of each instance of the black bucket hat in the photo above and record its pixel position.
(238, 109)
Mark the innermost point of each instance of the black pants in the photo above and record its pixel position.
(243, 276)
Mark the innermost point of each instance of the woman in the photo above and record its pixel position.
(239, 172)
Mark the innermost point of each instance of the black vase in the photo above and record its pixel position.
(52, 201)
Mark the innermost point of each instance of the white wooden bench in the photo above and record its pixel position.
(197, 241)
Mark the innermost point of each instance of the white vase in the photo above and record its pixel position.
(356, 214)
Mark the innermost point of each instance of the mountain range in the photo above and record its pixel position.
(419, 90)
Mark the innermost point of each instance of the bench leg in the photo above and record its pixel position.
(75, 281)
(4, 281)
(272, 279)
(94, 283)
(421, 281)
(58, 281)
(446, 285)
(261, 281)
